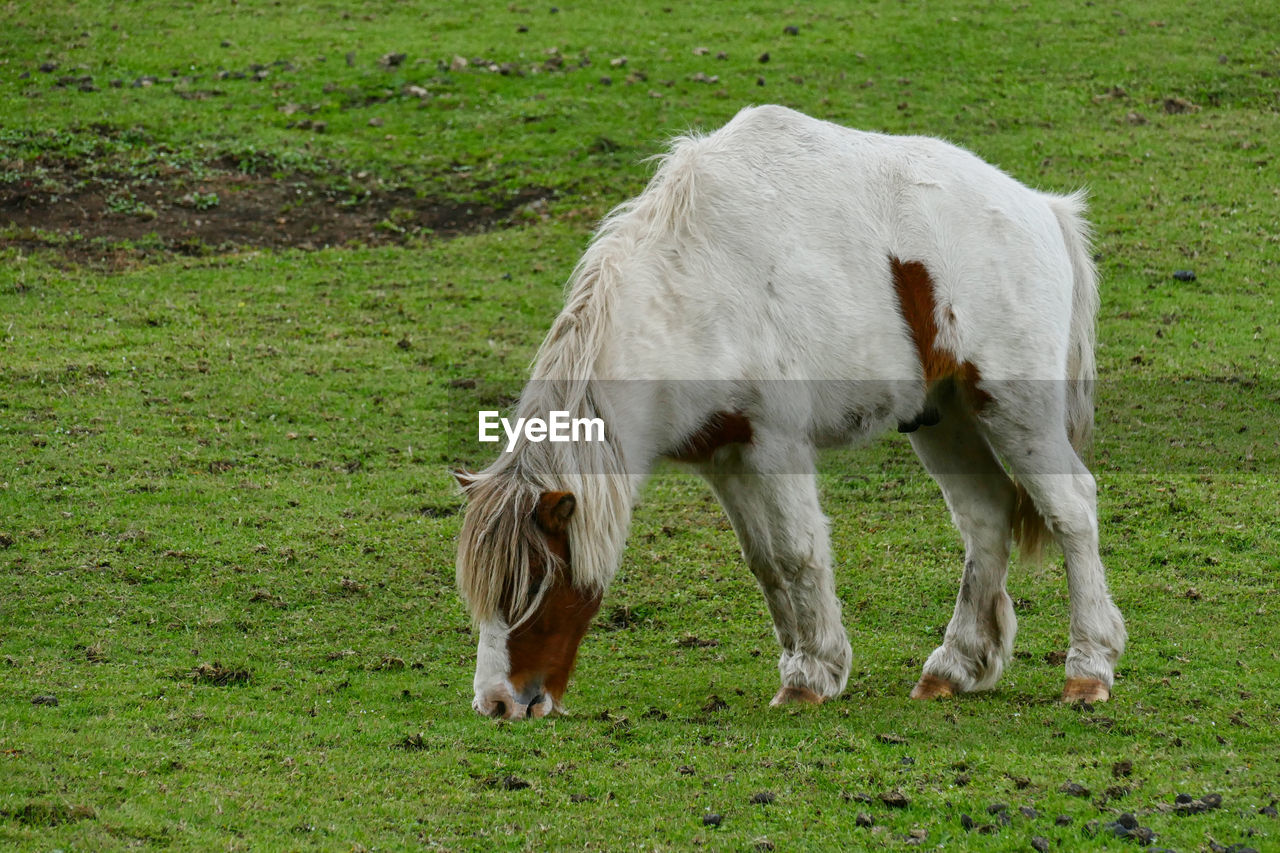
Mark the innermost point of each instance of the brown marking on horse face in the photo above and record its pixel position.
(719, 430)
(914, 288)
(544, 648)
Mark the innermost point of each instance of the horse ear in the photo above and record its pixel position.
(554, 511)
(465, 478)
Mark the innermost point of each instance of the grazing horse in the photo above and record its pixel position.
(781, 285)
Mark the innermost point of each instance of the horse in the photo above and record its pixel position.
(781, 285)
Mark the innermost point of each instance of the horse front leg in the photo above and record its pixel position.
(784, 540)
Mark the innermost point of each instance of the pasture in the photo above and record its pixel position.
(261, 265)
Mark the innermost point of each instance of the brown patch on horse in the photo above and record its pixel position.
(543, 649)
(721, 429)
(933, 687)
(915, 291)
(796, 696)
(1085, 690)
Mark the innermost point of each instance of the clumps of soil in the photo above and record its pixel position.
(217, 675)
(412, 743)
(714, 704)
(96, 206)
(506, 783)
(1185, 804)
(894, 799)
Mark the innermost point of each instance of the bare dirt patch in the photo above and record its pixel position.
(91, 212)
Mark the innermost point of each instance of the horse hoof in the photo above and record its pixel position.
(1086, 690)
(797, 696)
(933, 687)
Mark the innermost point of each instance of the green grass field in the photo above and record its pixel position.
(260, 265)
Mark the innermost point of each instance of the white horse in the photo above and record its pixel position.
(781, 285)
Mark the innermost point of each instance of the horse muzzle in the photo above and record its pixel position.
(502, 702)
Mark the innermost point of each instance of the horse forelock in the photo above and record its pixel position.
(499, 546)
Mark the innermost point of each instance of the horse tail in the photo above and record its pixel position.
(1029, 528)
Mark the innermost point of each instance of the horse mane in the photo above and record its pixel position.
(499, 540)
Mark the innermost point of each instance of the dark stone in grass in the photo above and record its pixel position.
(1121, 768)
(49, 67)
(1074, 789)
(962, 780)
(764, 57)
(45, 699)
(763, 798)
(863, 819)
(1039, 843)
(5, 540)
(966, 821)
(1269, 811)
(712, 819)
(791, 30)
(1184, 275)
(1028, 812)
(997, 808)
(581, 798)
(1127, 821)
(894, 800)
(1062, 820)
(1241, 848)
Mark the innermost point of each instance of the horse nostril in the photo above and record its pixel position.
(499, 710)
(534, 703)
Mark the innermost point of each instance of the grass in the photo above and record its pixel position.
(227, 525)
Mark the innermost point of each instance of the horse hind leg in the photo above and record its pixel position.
(978, 641)
(1065, 494)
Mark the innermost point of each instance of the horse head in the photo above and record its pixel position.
(515, 572)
